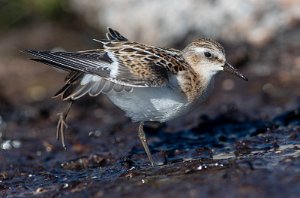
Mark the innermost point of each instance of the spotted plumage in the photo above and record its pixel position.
(149, 83)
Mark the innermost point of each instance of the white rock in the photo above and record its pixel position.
(164, 22)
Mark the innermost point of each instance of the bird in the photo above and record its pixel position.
(148, 83)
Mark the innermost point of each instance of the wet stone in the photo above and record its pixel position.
(86, 162)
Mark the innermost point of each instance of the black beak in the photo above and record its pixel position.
(231, 69)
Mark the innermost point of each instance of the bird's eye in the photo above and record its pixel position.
(207, 54)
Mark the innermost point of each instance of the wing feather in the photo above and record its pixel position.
(119, 65)
(107, 65)
(114, 35)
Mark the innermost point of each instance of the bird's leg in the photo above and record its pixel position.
(62, 125)
(142, 137)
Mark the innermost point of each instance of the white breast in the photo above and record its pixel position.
(144, 103)
(151, 103)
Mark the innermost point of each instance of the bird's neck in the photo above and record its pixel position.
(194, 85)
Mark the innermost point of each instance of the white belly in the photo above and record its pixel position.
(144, 103)
(151, 103)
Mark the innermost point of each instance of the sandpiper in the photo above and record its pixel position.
(148, 83)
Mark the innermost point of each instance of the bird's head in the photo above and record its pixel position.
(207, 57)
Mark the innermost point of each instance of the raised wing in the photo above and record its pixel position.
(114, 35)
(106, 65)
(120, 61)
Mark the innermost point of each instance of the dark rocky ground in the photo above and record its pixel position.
(243, 141)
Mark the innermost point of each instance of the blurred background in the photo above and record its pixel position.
(261, 38)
